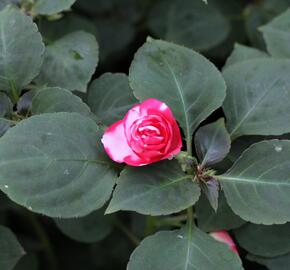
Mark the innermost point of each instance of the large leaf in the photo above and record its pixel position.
(54, 164)
(159, 189)
(258, 184)
(223, 219)
(49, 7)
(189, 23)
(10, 249)
(266, 241)
(242, 53)
(21, 50)
(212, 143)
(182, 78)
(89, 229)
(70, 61)
(276, 263)
(188, 248)
(110, 97)
(277, 35)
(54, 99)
(258, 97)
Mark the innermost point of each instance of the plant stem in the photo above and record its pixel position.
(134, 239)
(190, 216)
(43, 238)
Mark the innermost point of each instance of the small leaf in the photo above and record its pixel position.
(211, 190)
(223, 219)
(50, 7)
(25, 102)
(70, 62)
(277, 35)
(159, 189)
(10, 249)
(258, 184)
(258, 97)
(186, 81)
(242, 53)
(110, 97)
(266, 241)
(89, 229)
(54, 164)
(55, 99)
(21, 50)
(188, 248)
(212, 143)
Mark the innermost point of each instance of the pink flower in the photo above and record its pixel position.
(224, 237)
(148, 133)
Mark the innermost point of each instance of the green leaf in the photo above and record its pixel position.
(4, 3)
(6, 109)
(70, 62)
(266, 241)
(258, 184)
(188, 248)
(21, 50)
(212, 143)
(209, 220)
(54, 164)
(10, 250)
(50, 7)
(56, 29)
(276, 263)
(89, 229)
(110, 97)
(242, 53)
(258, 100)
(54, 99)
(159, 189)
(277, 35)
(186, 81)
(27, 262)
(189, 23)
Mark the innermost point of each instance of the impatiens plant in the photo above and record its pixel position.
(182, 164)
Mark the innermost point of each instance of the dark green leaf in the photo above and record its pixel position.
(6, 109)
(110, 97)
(258, 184)
(276, 263)
(189, 23)
(188, 248)
(258, 97)
(88, 229)
(27, 262)
(212, 143)
(159, 189)
(186, 81)
(242, 53)
(10, 249)
(70, 62)
(223, 219)
(266, 241)
(54, 164)
(21, 50)
(54, 99)
(277, 35)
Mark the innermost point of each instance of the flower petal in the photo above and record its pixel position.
(224, 237)
(151, 105)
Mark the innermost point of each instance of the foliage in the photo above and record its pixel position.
(71, 68)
